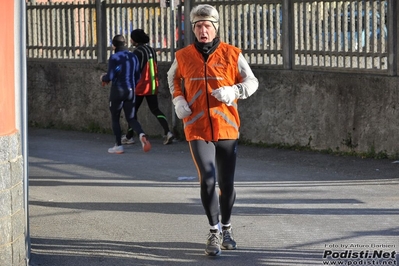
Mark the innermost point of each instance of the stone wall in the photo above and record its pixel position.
(322, 110)
(12, 213)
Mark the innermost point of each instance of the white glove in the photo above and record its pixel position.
(226, 94)
(181, 107)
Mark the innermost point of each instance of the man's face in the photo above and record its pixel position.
(204, 31)
(133, 42)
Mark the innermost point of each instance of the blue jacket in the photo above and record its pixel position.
(123, 69)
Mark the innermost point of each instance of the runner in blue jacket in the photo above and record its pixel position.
(124, 73)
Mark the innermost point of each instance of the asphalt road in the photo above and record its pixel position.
(91, 208)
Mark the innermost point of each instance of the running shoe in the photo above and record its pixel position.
(127, 141)
(228, 240)
(213, 244)
(116, 149)
(145, 143)
(168, 138)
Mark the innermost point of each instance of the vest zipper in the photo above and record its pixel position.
(207, 96)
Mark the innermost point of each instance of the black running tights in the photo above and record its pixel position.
(152, 102)
(216, 159)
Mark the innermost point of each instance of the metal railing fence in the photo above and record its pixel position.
(351, 35)
(85, 30)
(341, 34)
(61, 31)
(254, 26)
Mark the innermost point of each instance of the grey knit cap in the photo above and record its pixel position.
(205, 13)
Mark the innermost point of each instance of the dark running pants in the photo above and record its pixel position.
(216, 161)
(152, 101)
(123, 99)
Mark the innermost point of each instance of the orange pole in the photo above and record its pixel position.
(7, 83)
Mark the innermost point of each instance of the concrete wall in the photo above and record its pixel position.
(12, 214)
(337, 111)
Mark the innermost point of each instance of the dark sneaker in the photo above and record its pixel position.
(213, 244)
(228, 240)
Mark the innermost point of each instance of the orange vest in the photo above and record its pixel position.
(148, 82)
(211, 120)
